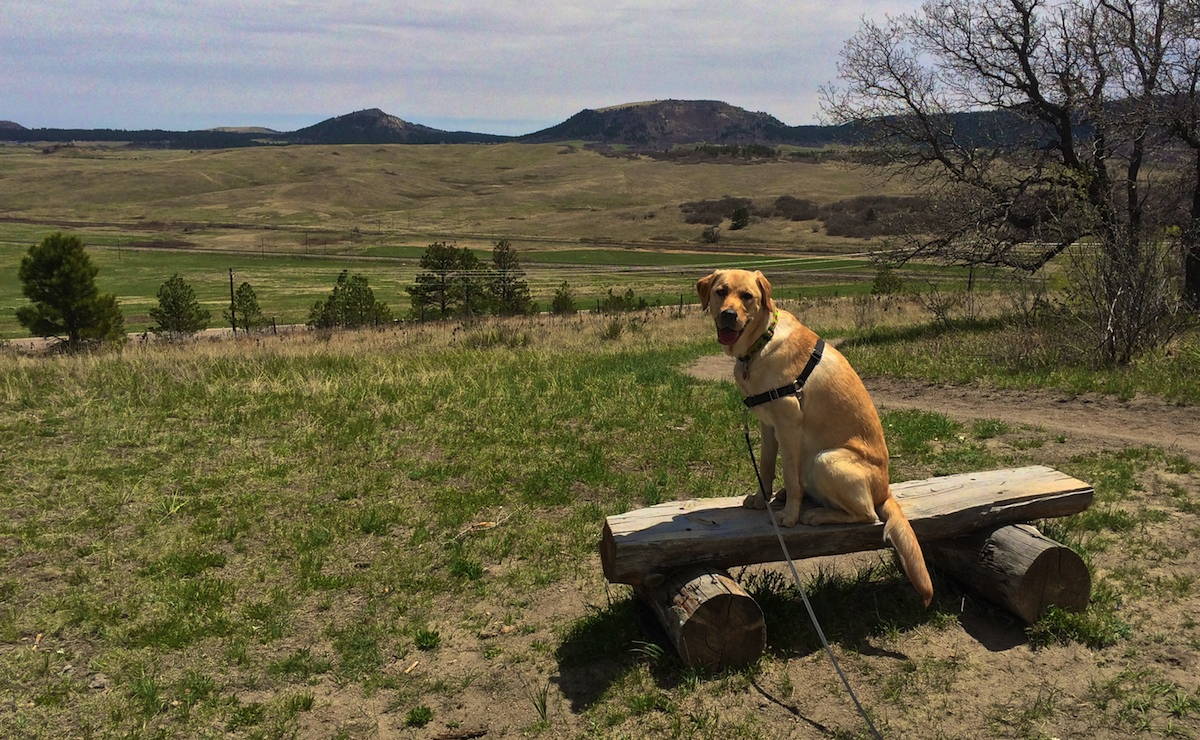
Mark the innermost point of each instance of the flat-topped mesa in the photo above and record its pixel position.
(720, 533)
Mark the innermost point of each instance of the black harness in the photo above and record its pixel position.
(795, 387)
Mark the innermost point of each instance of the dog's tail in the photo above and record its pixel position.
(899, 533)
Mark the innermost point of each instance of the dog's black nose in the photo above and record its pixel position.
(728, 318)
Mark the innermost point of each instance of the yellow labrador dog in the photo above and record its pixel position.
(812, 407)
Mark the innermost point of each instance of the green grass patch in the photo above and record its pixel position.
(1008, 355)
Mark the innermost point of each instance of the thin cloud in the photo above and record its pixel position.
(504, 66)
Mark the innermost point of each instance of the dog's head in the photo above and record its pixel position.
(737, 300)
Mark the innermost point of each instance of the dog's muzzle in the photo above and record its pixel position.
(728, 329)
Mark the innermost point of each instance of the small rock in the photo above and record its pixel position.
(98, 681)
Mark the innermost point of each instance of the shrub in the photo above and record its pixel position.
(1126, 297)
(740, 218)
(620, 302)
(794, 209)
(886, 282)
(712, 212)
(874, 215)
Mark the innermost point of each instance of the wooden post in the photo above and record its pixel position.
(711, 620)
(232, 314)
(1017, 567)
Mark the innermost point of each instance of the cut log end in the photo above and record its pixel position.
(711, 620)
(1017, 567)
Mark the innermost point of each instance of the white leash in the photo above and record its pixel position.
(799, 587)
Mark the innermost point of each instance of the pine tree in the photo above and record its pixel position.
(450, 283)
(59, 279)
(247, 314)
(470, 290)
(432, 293)
(507, 288)
(351, 304)
(178, 310)
(563, 301)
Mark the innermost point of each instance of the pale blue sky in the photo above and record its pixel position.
(505, 66)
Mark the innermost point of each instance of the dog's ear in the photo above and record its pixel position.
(704, 288)
(764, 290)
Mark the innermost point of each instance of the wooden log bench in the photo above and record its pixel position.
(971, 526)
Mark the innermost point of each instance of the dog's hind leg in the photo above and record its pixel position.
(770, 453)
(842, 481)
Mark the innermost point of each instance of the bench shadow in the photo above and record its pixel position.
(859, 611)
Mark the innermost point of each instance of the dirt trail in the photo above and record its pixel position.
(1143, 421)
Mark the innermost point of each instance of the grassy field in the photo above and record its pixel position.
(393, 533)
(288, 284)
(296, 198)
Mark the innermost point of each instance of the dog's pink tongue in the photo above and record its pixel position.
(727, 336)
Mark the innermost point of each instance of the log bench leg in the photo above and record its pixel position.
(711, 620)
(1017, 567)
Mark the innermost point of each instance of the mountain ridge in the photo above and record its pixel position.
(646, 125)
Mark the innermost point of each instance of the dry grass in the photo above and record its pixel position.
(520, 191)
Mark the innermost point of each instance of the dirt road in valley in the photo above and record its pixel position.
(1103, 420)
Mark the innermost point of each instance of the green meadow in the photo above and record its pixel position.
(394, 533)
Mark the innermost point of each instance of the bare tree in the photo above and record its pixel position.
(1061, 149)
(1064, 99)
(1180, 115)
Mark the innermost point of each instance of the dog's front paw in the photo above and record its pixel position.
(754, 501)
(810, 516)
(789, 519)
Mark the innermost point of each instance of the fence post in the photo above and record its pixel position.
(232, 310)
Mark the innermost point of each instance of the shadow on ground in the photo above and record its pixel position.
(856, 610)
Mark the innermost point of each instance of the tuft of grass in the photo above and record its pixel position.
(146, 693)
(245, 715)
(540, 699)
(418, 716)
(297, 703)
(427, 639)
(989, 428)
(613, 329)
(1098, 626)
(300, 665)
(358, 648)
(499, 335)
(194, 688)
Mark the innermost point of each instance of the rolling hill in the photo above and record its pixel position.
(373, 126)
(663, 123)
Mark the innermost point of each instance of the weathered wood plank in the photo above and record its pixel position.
(721, 533)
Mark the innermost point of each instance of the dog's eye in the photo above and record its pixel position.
(747, 297)
(722, 292)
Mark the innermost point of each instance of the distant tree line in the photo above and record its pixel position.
(58, 278)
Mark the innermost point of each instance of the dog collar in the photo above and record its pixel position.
(796, 387)
(759, 343)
